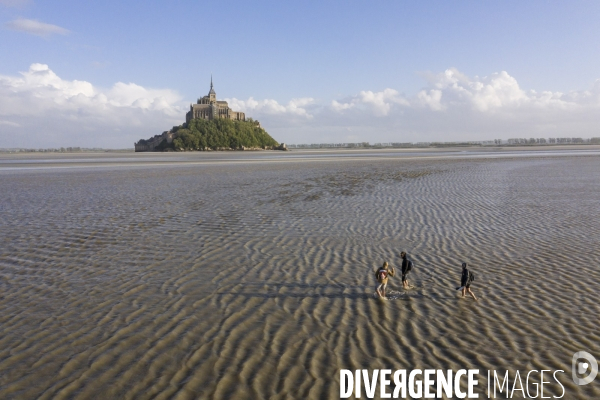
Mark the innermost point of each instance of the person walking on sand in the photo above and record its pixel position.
(382, 275)
(407, 266)
(466, 279)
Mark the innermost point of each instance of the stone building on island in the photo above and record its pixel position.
(208, 107)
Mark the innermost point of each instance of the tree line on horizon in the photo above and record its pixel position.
(496, 142)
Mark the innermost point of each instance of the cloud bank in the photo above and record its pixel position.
(451, 107)
(34, 27)
(40, 109)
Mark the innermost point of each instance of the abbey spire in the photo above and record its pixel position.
(212, 90)
(211, 94)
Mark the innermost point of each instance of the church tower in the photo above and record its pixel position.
(212, 95)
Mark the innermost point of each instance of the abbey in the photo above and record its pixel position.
(208, 107)
(212, 134)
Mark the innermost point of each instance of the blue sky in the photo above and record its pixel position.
(108, 73)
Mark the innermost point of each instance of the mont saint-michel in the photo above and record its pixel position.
(211, 125)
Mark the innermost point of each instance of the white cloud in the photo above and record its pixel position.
(57, 112)
(337, 106)
(483, 94)
(379, 103)
(454, 107)
(499, 92)
(431, 98)
(34, 27)
(132, 95)
(295, 107)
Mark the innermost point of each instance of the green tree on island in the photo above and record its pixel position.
(201, 134)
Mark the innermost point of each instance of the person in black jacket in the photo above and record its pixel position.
(466, 279)
(407, 266)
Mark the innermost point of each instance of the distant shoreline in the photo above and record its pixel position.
(414, 148)
(456, 148)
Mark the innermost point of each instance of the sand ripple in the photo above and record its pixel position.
(255, 281)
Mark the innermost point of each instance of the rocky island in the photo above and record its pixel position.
(212, 125)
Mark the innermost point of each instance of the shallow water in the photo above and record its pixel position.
(238, 276)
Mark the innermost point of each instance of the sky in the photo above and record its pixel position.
(106, 74)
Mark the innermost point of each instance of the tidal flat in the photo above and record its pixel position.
(249, 275)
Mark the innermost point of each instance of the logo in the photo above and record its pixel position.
(584, 362)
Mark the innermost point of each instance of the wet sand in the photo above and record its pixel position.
(250, 276)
